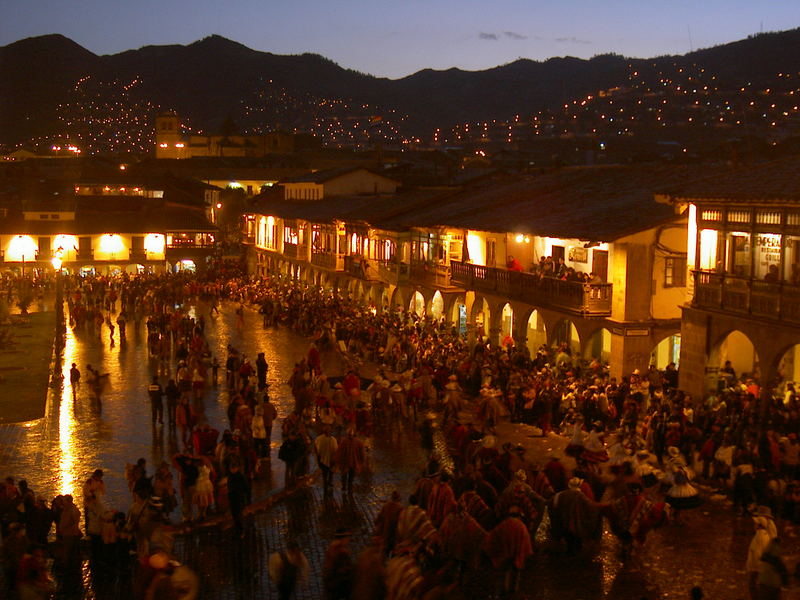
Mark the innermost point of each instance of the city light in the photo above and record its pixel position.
(21, 248)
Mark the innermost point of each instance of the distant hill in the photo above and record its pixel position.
(49, 84)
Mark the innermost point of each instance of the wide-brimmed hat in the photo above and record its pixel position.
(763, 511)
(575, 483)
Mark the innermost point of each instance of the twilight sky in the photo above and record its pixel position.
(399, 37)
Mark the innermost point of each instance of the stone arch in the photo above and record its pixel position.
(785, 365)
(504, 316)
(480, 316)
(417, 303)
(666, 349)
(399, 298)
(535, 329)
(436, 309)
(565, 331)
(598, 345)
(456, 312)
(736, 346)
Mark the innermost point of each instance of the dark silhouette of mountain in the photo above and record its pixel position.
(206, 81)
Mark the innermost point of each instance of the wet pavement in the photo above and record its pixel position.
(706, 547)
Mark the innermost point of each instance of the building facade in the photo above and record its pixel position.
(743, 301)
(473, 257)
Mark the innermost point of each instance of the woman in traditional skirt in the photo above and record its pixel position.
(575, 447)
(682, 495)
(204, 489)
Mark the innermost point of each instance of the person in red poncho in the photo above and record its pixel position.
(633, 516)
(350, 459)
(508, 546)
(441, 500)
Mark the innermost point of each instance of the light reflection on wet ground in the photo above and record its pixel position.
(58, 452)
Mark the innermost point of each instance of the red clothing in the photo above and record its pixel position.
(351, 382)
(509, 544)
(351, 454)
(441, 503)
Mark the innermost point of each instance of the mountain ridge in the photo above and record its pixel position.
(207, 81)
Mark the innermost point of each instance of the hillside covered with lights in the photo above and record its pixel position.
(55, 91)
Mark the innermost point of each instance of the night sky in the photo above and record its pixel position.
(399, 37)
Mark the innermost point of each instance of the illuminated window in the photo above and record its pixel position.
(767, 254)
(675, 271)
(711, 215)
(708, 249)
(738, 216)
(771, 217)
(738, 253)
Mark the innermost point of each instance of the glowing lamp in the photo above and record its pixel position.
(518, 238)
(21, 248)
(56, 262)
(111, 243)
(219, 204)
(154, 242)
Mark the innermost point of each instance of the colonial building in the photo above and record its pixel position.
(107, 224)
(471, 256)
(743, 302)
(172, 143)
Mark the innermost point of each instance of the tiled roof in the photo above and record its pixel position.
(773, 181)
(591, 203)
(115, 214)
(328, 175)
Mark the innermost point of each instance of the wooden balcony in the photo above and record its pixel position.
(437, 276)
(360, 268)
(328, 260)
(586, 299)
(294, 251)
(744, 296)
(138, 256)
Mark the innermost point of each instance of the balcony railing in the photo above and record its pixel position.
(431, 275)
(360, 268)
(294, 251)
(328, 260)
(138, 255)
(587, 299)
(753, 297)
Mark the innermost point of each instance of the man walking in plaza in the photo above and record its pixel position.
(74, 380)
(350, 458)
(325, 447)
(156, 393)
(238, 496)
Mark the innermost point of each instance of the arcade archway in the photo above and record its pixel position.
(537, 332)
(565, 332)
(599, 346)
(417, 304)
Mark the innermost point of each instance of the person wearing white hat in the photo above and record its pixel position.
(574, 517)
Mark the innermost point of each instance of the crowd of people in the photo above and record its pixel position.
(637, 447)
